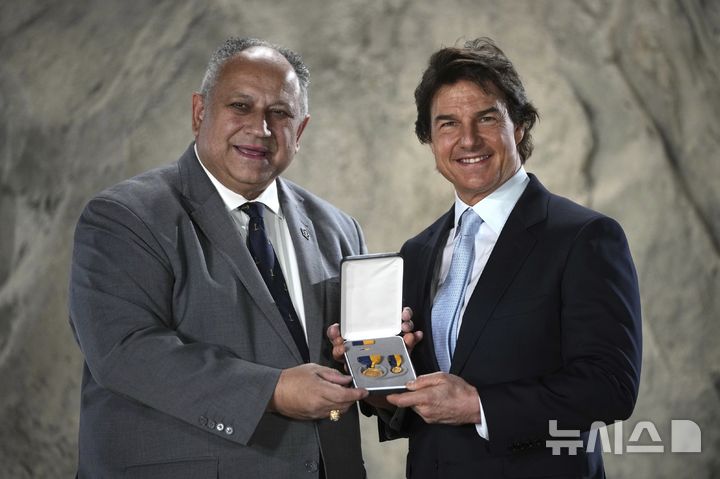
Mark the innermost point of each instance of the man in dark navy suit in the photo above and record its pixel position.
(529, 302)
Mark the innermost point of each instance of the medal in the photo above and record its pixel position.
(364, 342)
(373, 372)
(370, 362)
(395, 361)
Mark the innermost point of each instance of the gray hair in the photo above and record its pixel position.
(235, 45)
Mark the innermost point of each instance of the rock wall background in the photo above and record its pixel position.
(92, 92)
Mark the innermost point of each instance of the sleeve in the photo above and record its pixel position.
(362, 248)
(482, 428)
(121, 309)
(601, 348)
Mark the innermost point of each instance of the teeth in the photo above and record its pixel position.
(477, 159)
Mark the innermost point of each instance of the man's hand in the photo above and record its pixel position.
(338, 342)
(410, 337)
(441, 398)
(311, 391)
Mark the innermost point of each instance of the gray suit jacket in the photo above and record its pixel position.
(183, 343)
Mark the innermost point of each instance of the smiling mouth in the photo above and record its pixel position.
(252, 151)
(473, 160)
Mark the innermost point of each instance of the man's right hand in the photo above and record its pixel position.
(311, 391)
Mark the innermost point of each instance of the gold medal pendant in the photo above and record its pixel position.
(373, 372)
(371, 366)
(395, 361)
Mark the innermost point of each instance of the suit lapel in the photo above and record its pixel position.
(432, 255)
(307, 251)
(510, 252)
(210, 214)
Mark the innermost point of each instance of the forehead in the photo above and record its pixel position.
(259, 68)
(465, 93)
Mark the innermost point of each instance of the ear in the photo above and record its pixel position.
(198, 112)
(300, 130)
(519, 134)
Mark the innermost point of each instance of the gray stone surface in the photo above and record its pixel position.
(94, 92)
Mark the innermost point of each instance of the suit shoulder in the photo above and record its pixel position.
(572, 211)
(148, 191)
(317, 208)
(563, 212)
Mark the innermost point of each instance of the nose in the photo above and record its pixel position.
(258, 126)
(469, 136)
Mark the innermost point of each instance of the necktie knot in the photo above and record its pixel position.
(469, 223)
(254, 210)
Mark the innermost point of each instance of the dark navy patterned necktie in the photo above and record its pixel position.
(267, 263)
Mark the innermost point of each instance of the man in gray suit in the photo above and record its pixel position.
(200, 292)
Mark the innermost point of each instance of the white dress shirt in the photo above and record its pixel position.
(277, 231)
(494, 210)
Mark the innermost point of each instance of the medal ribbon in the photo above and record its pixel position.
(395, 360)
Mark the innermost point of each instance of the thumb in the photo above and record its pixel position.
(333, 331)
(333, 376)
(425, 381)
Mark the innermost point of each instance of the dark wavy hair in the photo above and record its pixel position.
(481, 62)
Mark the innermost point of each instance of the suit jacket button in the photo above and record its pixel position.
(220, 426)
(229, 430)
(203, 421)
(311, 466)
(211, 424)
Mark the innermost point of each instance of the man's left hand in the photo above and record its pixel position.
(441, 398)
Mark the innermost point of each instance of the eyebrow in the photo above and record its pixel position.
(240, 96)
(251, 99)
(492, 109)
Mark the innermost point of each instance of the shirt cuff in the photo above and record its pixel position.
(482, 428)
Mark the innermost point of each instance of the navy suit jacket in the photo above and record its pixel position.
(551, 331)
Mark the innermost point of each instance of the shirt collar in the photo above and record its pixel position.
(233, 200)
(495, 208)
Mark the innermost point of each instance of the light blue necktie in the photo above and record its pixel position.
(450, 298)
